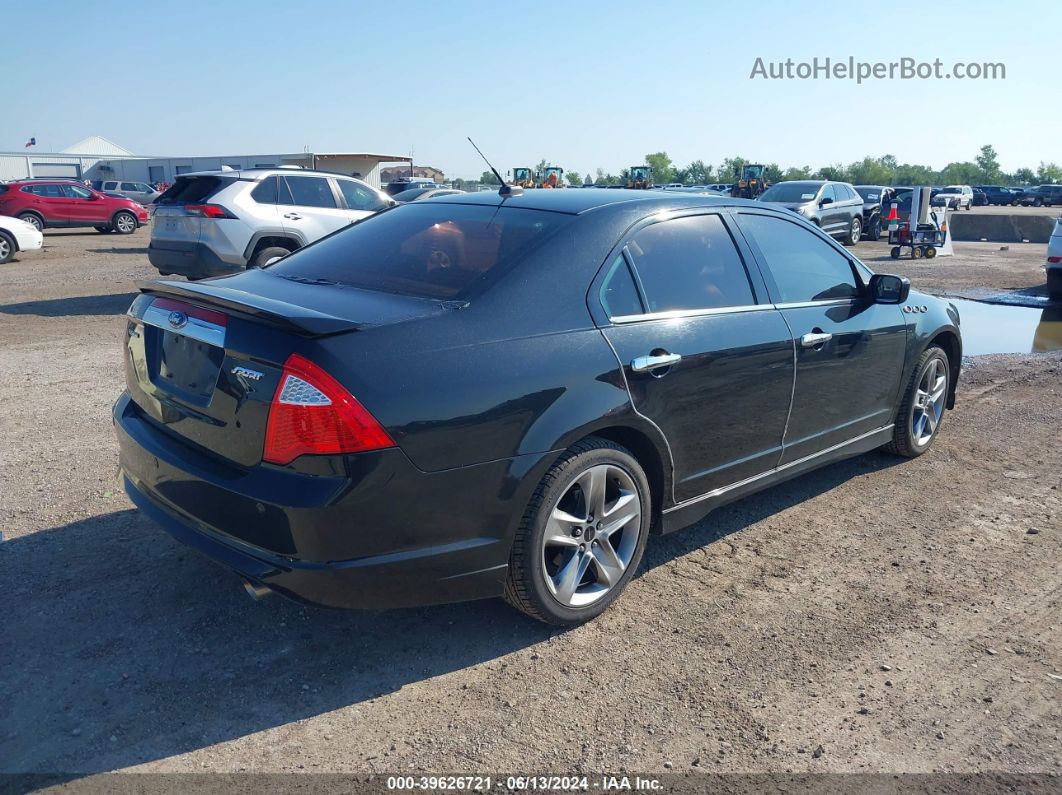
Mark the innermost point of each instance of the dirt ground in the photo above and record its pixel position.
(975, 269)
(876, 615)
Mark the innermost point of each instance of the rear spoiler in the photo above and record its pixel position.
(270, 311)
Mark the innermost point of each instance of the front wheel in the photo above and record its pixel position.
(7, 248)
(919, 415)
(855, 231)
(874, 233)
(582, 536)
(124, 223)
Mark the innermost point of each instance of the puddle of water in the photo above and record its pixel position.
(997, 328)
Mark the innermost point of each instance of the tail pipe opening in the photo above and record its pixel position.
(256, 590)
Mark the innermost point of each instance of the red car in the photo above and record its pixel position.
(48, 203)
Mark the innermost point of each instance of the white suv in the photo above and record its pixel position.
(216, 222)
(955, 197)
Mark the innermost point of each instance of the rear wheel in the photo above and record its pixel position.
(895, 252)
(124, 223)
(7, 248)
(262, 258)
(855, 231)
(33, 220)
(919, 416)
(582, 536)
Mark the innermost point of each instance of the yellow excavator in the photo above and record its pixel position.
(640, 177)
(552, 177)
(752, 182)
(523, 177)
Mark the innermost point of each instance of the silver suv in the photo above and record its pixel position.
(216, 222)
(137, 191)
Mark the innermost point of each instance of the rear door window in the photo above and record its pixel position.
(311, 192)
(132, 186)
(110, 186)
(619, 293)
(804, 267)
(689, 263)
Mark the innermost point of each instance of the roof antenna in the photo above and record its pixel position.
(505, 189)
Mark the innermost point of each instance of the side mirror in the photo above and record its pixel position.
(93, 197)
(888, 289)
(824, 202)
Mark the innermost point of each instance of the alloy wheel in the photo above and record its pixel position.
(125, 223)
(929, 401)
(5, 249)
(33, 221)
(591, 535)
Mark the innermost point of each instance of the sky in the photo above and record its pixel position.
(584, 85)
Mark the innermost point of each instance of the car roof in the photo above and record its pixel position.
(574, 202)
(255, 173)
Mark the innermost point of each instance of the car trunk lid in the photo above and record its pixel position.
(204, 359)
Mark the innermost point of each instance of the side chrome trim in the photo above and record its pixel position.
(684, 313)
(724, 489)
(195, 328)
(804, 304)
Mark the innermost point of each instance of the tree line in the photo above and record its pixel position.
(984, 169)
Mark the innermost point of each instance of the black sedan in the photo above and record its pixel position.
(485, 395)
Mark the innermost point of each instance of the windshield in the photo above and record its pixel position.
(951, 190)
(428, 250)
(791, 192)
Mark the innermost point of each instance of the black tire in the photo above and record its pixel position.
(874, 233)
(267, 253)
(895, 252)
(124, 223)
(929, 252)
(7, 248)
(526, 588)
(33, 219)
(104, 230)
(855, 231)
(903, 441)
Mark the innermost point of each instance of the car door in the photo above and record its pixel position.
(314, 210)
(828, 209)
(85, 206)
(849, 350)
(52, 203)
(134, 191)
(361, 201)
(706, 357)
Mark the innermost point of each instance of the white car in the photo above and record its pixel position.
(1054, 262)
(17, 235)
(957, 197)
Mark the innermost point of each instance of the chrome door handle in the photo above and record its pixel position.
(815, 340)
(644, 364)
(292, 216)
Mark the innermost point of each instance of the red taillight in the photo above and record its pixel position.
(208, 210)
(1054, 260)
(313, 414)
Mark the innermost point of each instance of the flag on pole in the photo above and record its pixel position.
(31, 142)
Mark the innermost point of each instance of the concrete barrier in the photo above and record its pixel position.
(1001, 228)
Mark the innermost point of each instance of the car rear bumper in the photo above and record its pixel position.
(195, 260)
(382, 534)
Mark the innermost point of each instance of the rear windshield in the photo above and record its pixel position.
(191, 190)
(428, 250)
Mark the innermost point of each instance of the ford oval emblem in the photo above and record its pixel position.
(178, 319)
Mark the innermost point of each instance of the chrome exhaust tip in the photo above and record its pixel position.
(256, 590)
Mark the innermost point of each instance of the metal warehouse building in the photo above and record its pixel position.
(98, 158)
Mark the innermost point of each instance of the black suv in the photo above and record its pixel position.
(1050, 195)
(876, 201)
(834, 207)
(998, 195)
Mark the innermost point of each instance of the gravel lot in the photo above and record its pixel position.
(877, 615)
